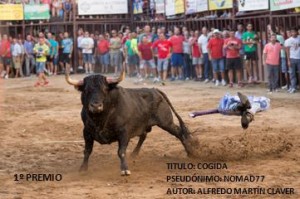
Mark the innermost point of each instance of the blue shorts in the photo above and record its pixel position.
(177, 59)
(162, 65)
(104, 59)
(218, 65)
(133, 60)
(283, 65)
(87, 58)
(55, 60)
(40, 67)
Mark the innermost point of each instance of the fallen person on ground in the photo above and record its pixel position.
(239, 105)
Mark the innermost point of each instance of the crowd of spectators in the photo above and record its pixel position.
(178, 54)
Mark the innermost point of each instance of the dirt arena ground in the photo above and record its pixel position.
(41, 132)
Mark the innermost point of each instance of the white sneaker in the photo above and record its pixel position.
(3, 73)
(284, 87)
(206, 80)
(270, 91)
(6, 77)
(187, 79)
(292, 90)
(217, 83)
(250, 80)
(156, 80)
(223, 82)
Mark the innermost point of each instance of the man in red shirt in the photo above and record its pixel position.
(177, 54)
(164, 53)
(196, 55)
(232, 46)
(5, 54)
(103, 53)
(146, 58)
(215, 53)
(271, 57)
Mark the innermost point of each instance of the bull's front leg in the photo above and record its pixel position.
(89, 143)
(123, 143)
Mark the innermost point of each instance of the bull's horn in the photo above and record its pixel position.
(72, 81)
(114, 80)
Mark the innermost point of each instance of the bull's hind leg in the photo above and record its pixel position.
(139, 145)
(89, 143)
(178, 133)
(172, 129)
(123, 143)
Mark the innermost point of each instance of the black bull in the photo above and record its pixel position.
(111, 113)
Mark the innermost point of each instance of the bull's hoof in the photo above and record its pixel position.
(134, 154)
(83, 168)
(125, 173)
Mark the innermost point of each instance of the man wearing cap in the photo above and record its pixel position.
(215, 53)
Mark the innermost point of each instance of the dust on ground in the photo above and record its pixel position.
(41, 132)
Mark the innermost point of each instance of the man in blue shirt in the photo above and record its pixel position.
(67, 46)
(54, 54)
(53, 46)
(29, 55)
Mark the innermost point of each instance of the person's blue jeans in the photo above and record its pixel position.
(186, 65)
(218, 65)
(295, 64)
(206, 65)
(40, 67)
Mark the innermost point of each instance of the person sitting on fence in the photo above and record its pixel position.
(56, 7)
(239, 105)
(67, 9)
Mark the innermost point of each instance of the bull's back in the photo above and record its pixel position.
(137, 108)
(138, 101)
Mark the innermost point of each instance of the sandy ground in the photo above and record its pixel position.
(41, 133)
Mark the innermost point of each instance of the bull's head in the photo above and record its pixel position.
(95, 89)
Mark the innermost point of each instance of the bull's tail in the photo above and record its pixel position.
(185, 131)
(187, 140)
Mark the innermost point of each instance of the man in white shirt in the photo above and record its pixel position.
(16, 53)
(87, 45)
(79, 50)
(292, 45)
(202, 42)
